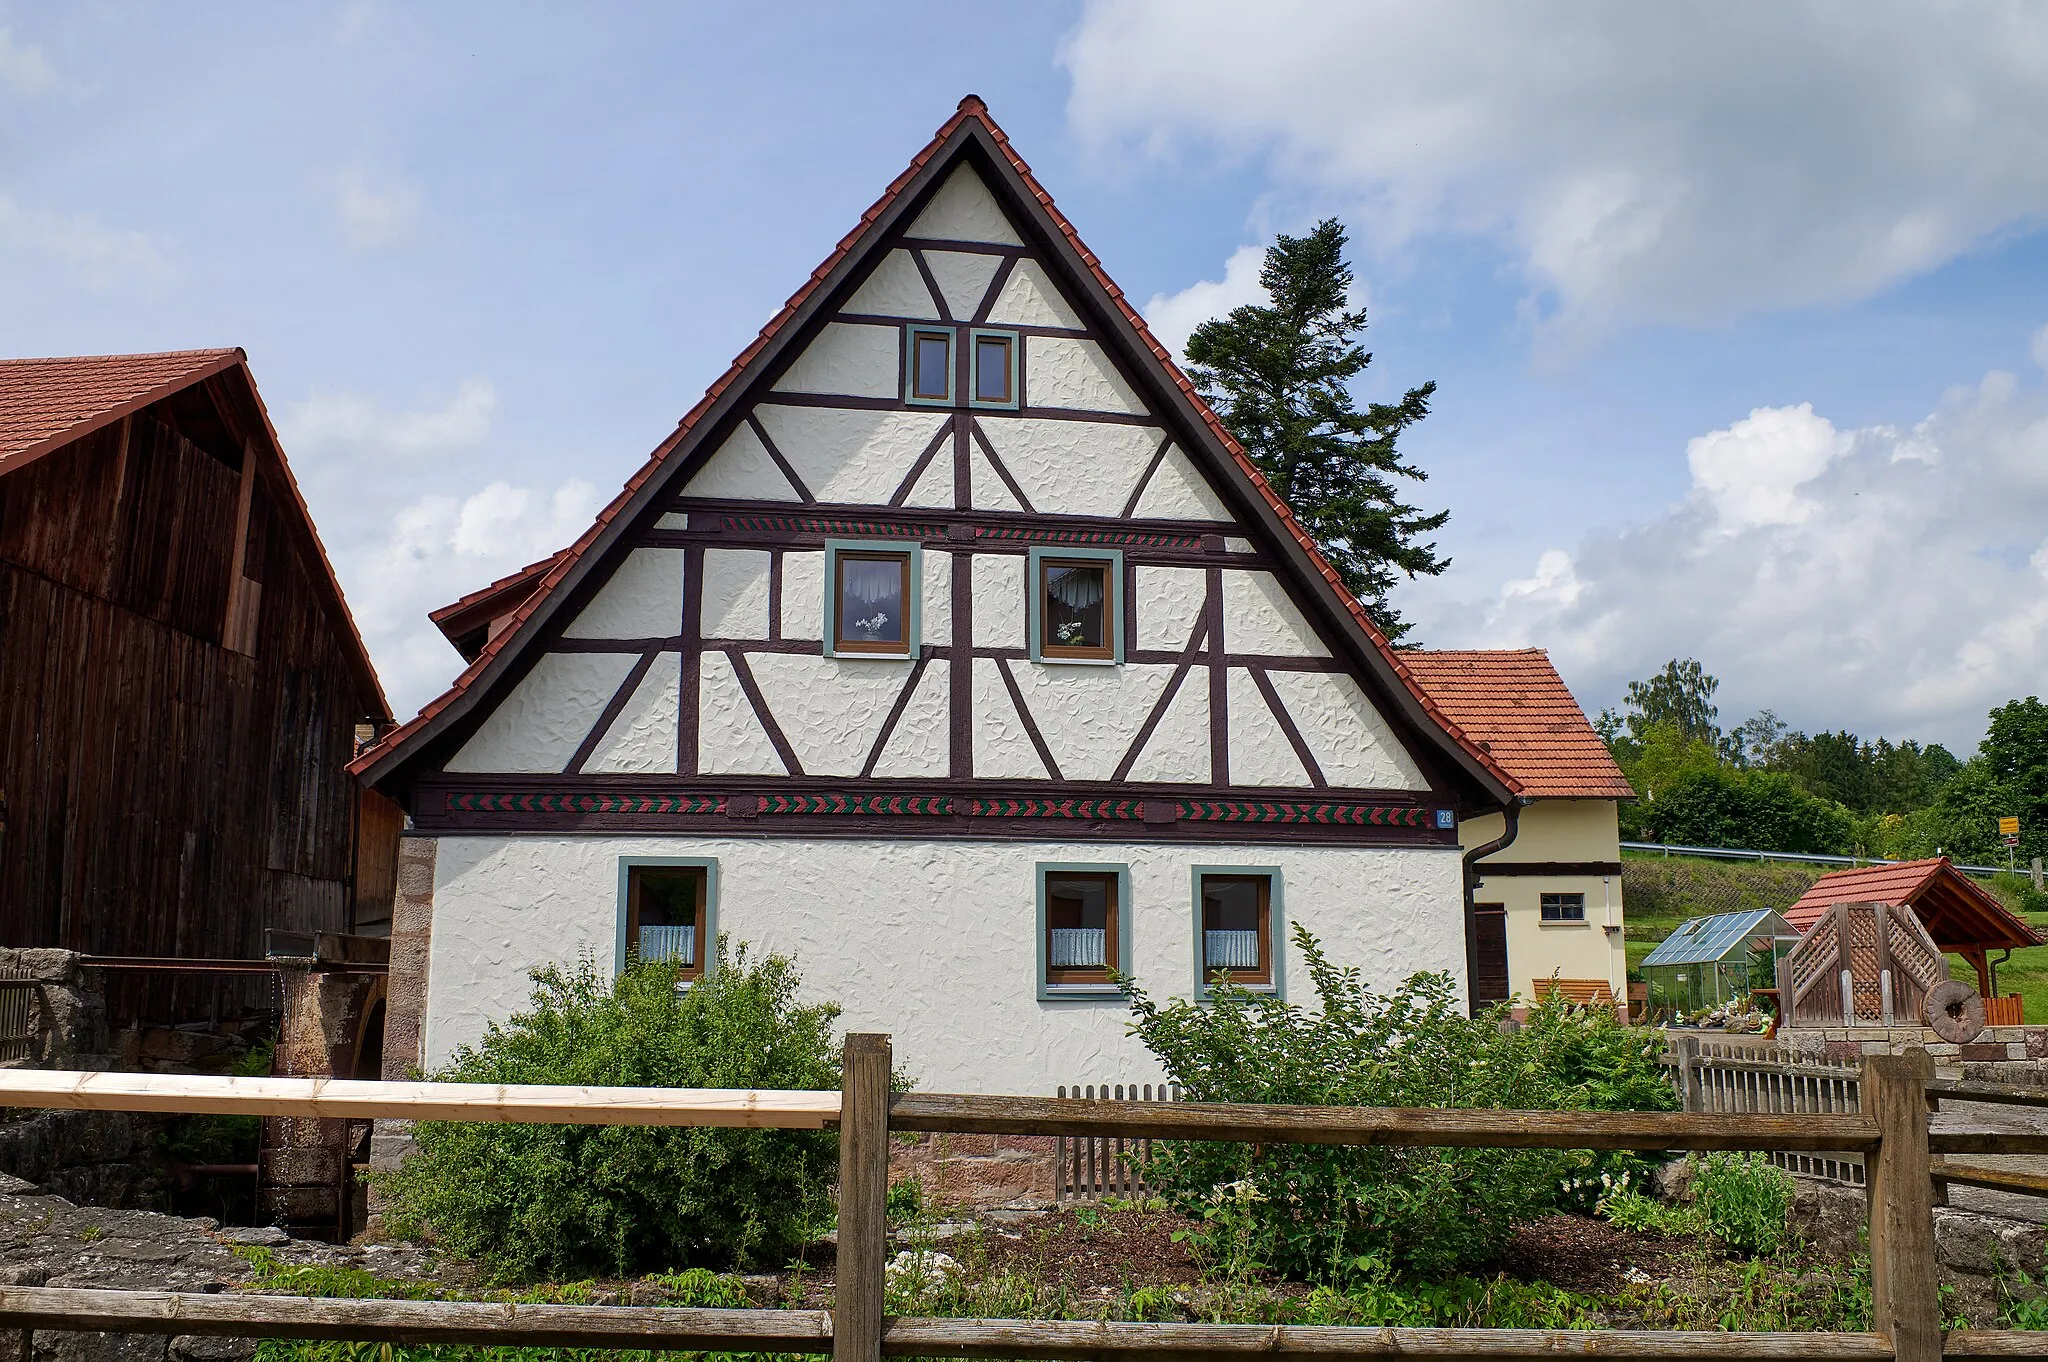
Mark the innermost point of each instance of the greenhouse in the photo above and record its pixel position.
(1707, 960)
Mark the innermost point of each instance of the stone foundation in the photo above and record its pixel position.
(1996, 1044)
(980, 1172)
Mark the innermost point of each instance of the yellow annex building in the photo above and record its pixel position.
(1545, 904)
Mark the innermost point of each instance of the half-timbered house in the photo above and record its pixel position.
(180, 684)
(952, 645)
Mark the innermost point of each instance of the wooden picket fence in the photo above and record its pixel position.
(1891, 1132)
(1092, 1167)
(18, 1015)
(1756, 1076)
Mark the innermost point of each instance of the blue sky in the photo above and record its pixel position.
(1736, 322)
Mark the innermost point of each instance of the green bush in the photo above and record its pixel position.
(528, 1201)
(1329, 1213)
(1743, 1201)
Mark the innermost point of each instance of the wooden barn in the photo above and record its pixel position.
(181, 685)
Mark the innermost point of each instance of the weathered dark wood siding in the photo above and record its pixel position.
(166, 794)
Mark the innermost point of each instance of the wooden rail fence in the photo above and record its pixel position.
(1890, 1132)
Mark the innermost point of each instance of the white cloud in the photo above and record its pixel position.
(24, 70)
(1638, 162)
(350, 423)
(1174, 316)
(374, 210)
(104, 258)
(435, 550)
(1891, 581)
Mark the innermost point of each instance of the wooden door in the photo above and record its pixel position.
(1488, 930)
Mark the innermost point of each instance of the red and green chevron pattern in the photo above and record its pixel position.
(1034, 534)
(939, 805)
(470, 802)
(1057, 808)
(817, 524)
(1264, 811)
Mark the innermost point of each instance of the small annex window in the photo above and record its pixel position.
(1564, 907)
(667, 915)
(872, 598)
(994, 380)
(928, 366)
(1235, 927)
(1082, 928)
(1076, 606)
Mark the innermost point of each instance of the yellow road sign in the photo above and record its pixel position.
(2008, 827)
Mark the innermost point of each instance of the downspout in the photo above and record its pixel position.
(1511, 814)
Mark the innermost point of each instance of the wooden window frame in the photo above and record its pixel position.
(1013, 379)
(1273, 945)
(912, 556)
(1563, 918)
(707, 909)
(1111, 653)
(911, 335)
(1055, 985)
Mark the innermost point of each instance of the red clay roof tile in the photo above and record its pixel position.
(1515, 704)
(47, 403)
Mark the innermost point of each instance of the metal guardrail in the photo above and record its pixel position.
(1801, 857)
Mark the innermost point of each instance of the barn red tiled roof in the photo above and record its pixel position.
(47, 403)
(1516, 706)
(971, 107)
(1955, 909)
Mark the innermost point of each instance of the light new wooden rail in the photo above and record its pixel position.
(365, 1100)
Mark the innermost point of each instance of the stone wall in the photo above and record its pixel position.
(1973, 1251)
(1995, 1045)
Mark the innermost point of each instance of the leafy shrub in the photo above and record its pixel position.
(1743, 1201)
(564, 1200)
(1329, 1213)
(1629, 1209)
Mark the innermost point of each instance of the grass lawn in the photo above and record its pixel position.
(1659, 893)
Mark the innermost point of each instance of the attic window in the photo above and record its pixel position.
(995, 369)
(1076, 600)
(928, 361)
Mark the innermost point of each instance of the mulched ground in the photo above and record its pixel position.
(1087, 1249)
(1591, 1256)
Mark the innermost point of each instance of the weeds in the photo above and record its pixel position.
(1743, 1201)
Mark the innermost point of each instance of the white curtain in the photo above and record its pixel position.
(1079, 947)
(1230, 950)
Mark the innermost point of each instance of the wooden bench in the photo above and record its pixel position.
(1578, 992)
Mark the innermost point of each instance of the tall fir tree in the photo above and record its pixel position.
(1279, 377)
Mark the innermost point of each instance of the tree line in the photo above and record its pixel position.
(1770, 787)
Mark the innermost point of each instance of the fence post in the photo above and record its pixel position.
(1690, 1095)
(1905, 1304)
(863, 1198)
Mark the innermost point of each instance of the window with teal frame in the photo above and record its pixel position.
(1075, 605)
(874, 592)
(668, 910)
(928, 367)
(1240, 930)
(1084, 929)
(993, 360)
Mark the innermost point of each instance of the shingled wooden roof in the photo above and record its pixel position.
(1954, 908)
(1516, 706)
(47, 404)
